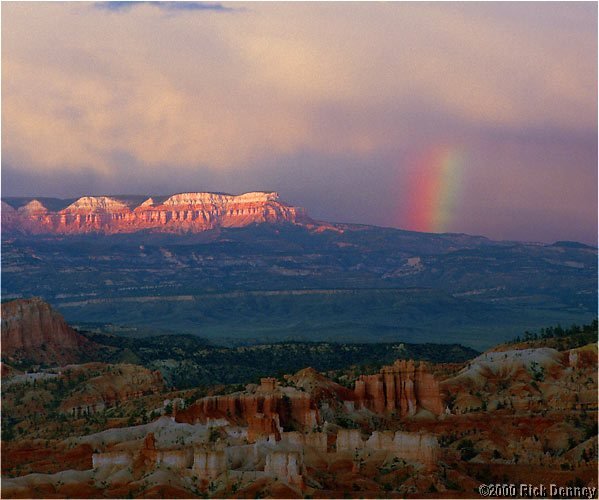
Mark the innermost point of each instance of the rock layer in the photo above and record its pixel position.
(403, 387)
(266, 411)
(186, 212)
(33, 331)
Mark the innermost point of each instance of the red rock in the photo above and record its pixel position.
(114, 385)
(265, 411)
(32, 330)
(186, 212)
(261, 425)
(402, 387)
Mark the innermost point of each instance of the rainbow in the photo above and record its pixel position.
(434, 189)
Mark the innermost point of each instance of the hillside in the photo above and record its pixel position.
(34, 333)
(273, 282)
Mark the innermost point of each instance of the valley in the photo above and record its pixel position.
(266, 282)
(217, 348)
(374, 420)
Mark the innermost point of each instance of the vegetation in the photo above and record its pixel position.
(266, 283)
(560, 338)
(188, 361)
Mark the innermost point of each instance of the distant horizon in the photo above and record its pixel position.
(28, 198)
(475, 118)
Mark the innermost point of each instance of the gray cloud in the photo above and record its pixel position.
(288, 97)
(123, 6)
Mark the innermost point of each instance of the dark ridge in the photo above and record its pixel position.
(572, 244)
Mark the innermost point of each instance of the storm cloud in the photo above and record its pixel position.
(327, 103)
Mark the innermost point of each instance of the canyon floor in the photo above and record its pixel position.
(521, 413)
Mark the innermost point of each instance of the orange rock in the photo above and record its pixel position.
(261, 425)
(258, 410)
(187, 212)
(32, 330)
(402, 387)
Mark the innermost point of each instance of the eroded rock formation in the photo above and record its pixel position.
(110, 386)
(266, 410)
(186, 212)
(403, 387)
(33, 331)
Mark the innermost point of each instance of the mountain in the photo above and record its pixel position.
(185, 212)
(279, 276)
(33, 332)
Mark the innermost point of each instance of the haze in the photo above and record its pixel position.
(461, 117)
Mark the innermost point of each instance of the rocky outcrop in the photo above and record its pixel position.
(285, 465)
(33, 331)
(404, 388)
(186, 212)
(114, 385)
(300, 440)
(108, 459)
(349, 440)
(410, 446)
(266, 410)
(209, 464)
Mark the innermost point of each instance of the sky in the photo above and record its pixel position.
(471, 117)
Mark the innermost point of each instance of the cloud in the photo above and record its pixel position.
(121, 6)
(143, 95)
(224, 90)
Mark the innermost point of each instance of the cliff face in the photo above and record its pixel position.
(265, 410)
(186, 212)
(403, 387)
(32, 330)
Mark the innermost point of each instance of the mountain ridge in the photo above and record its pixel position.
(189, 212)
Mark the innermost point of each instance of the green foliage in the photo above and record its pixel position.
(561, 338)
(537, 371)
(466, 448)
(187, 361)
(346, 422)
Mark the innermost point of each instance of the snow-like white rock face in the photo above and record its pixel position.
(510, 361)
(219, 199)
(33, 207)
(148, 203)
(96, 204)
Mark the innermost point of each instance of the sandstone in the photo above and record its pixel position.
(209, 464)
(33, 331)
(403, 388)
(266, 410)
(299, 441)
(260, 425)
(185, 212)
(107, 459)
(416, 447)
(349, 440)
(177, 459)
(285, 465)
(96, 204)
(34, 207)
